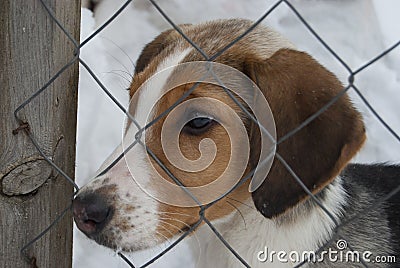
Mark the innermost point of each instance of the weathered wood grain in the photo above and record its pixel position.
(32, 50)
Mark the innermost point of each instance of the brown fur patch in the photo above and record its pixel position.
(296, 87)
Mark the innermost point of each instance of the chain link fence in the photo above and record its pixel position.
(352, 73)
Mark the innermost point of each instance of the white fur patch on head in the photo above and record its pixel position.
(135, 213)
(154, 89)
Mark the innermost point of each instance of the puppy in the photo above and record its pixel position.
(130, 207)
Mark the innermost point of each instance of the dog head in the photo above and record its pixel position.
(115, 211)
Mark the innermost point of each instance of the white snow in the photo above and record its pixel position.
(358, 30)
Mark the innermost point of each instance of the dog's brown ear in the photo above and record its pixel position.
(153, 48)
(297, 87)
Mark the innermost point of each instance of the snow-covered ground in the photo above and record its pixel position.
(357, 30)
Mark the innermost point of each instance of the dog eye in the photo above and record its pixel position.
(198, 125)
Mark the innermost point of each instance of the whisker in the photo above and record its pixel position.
(194, 234)
(164, 238)
(247, 205)
(169, 231)
(118, 61)
(125, 72)
(123, 51)
(120, 75)
(184, 223)
(166, 229)
(175, 213)
(241, 215)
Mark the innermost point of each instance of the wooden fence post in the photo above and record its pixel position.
(32, 194)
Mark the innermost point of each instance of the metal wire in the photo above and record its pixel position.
(140, 129)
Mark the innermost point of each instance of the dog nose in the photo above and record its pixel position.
(91, 213)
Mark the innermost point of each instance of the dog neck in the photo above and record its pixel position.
(305, 227)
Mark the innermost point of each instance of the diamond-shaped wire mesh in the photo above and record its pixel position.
(352, 74)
